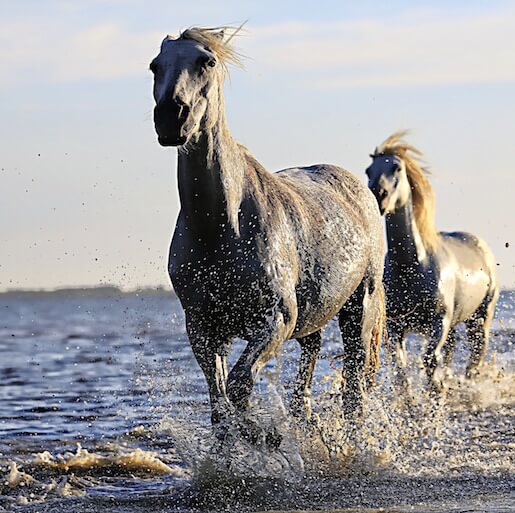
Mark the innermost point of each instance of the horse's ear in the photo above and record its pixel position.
(166, 40)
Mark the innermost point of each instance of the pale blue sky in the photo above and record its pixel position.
(86, 194)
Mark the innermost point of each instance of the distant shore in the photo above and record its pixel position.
(97, 291)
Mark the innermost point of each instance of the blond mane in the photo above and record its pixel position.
(217, 39)
(422, 193)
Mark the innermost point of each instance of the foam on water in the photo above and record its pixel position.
(70, 473)
(397, 442)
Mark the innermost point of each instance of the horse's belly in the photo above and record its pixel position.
(411, 300)
(319, 301)
(471, 289)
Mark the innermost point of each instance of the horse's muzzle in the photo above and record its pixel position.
(381, 196)
(169, 120)
(166, 140)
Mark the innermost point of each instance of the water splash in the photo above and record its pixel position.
(406, 453)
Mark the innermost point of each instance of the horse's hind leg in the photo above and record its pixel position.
(478, 331)
(397, 341)
(358, 318)
(301, 398)
(449, 348)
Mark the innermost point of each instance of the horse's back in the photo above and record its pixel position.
(472, 252)
(335, 198)
(312, 181)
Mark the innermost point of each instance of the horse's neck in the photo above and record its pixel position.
(405, 245)
(210, 179)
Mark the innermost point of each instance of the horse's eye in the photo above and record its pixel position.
(206, 61)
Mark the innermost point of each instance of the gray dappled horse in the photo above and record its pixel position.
(260, 256)
(433, 280)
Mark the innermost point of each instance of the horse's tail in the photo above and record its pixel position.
(378, 332)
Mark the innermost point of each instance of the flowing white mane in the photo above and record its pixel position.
(422, 193)
(218, 40)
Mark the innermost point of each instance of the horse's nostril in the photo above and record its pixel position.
(180, 102)
(379, 192)
(184, 111)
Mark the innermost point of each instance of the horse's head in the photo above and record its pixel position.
(188, 74)
(388, 181)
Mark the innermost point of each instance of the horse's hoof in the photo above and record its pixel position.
(250, 431)
(273, 439)
(297, 412)
(314, 423)
(472, 373)
(255, 435)
(221, 433)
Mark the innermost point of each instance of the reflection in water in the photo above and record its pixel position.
(104, 408)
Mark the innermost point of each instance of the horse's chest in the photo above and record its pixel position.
(219, 286)
(410, 295)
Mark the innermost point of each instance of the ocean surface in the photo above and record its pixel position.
(103, 408)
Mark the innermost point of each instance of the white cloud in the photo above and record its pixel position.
(417, 48)
(55, 53)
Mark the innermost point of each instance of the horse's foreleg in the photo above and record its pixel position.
(356, 325)
(211, 355)
(244, 373)
(433, 355)
(255, 356)
(301, 398)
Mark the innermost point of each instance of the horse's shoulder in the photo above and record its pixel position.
(464, 240)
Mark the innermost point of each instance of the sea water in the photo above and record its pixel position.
(103, 408)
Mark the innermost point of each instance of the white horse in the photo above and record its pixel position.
(260, 256)
(433, 280)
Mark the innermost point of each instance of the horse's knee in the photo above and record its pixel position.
(258, 352)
